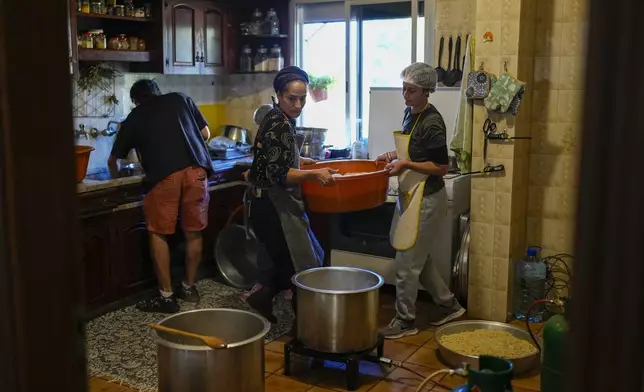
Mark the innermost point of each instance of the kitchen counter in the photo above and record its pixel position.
(218, 166)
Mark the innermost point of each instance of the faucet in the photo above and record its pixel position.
(81, 132)
(107, 132)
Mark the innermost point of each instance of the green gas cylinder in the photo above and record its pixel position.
(552, 354)
(493, 375)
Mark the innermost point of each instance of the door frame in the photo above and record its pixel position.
(41, 332)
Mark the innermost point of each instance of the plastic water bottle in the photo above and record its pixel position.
(530, 286)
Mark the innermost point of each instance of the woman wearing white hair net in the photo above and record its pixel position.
(420, 162)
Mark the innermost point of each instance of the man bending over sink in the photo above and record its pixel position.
(168, 133)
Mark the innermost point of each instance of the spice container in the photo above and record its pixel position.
(100, 42)
(272, 23)
(257, 23)
(261, 59)
(276, 60)
(148, 10)
(133, 43)
(139, 12)
(123, 44)
(129, 8)
(244, 28)
(96, 8)
(114, 43)
(85, 7)
(119, 10)
(88, 41)
(141, 44)
(246, 60)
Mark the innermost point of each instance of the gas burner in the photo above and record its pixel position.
(351, 360)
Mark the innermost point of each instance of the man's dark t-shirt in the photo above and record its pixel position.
(428, 142)
(166, 133)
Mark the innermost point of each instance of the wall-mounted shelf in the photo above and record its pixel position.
(113, 17)
(113, 55)
(264, 36)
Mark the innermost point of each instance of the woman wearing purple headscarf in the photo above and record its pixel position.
(277, 209)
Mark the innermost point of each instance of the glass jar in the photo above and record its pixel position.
(244, 28)
(276, 60)
(96, 8)
(257, 23)
(119, 10)
(141, 45)
(261, 59)
(148, 10)
(88, 41)
(111, 3)
(114, 43)
(139, 12)
(100, 42)
(246, 59)
(85, 7)
(272, 23)
(133, 43)
(129, 8)
(124, 45)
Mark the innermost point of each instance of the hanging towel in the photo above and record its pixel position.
(461, 143)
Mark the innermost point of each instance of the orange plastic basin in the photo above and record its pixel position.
(82, 161)
(351, 193)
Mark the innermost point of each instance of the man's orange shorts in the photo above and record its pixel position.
(184, 191)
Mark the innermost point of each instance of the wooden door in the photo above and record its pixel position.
(213, 22)
(133, 262)
(182, 37)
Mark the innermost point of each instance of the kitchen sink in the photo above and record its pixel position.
(127, 171)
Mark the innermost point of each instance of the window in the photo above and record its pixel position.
(381, 46)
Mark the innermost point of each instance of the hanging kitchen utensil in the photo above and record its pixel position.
(458, 71)
(505, 94)
(440, 71)
(449, 80)
(479, 84)
(467, 41)
(211, 341)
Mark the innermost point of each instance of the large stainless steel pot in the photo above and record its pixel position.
(187, 364)
(313, 145)
(337, 308)
(237, 134)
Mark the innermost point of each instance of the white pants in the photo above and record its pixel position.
(414, 266)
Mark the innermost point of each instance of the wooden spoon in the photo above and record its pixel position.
(211, 341)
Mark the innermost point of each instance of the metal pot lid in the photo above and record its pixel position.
(260, 113)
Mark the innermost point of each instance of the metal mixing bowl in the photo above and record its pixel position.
(521, 365)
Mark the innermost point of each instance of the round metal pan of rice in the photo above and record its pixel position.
(463, 341)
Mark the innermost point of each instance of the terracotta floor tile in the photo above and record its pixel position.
(273, 361)
(426, 357)
(276, 346)
(398, 350)
(419, 339)
(335, 379)
(412, 375)
(530, 381)
(391, 386)
(277, 383)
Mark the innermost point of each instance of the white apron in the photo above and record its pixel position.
(411, 186)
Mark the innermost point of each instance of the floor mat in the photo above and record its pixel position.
(119, 346)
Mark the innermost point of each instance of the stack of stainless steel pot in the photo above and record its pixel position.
(337, 309)
(187, 364)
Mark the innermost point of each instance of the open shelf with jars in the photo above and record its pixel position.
(126, 31)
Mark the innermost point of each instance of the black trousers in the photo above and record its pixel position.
(268, 230)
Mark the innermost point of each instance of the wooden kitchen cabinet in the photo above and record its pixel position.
(195, 36)
(96, 260)
(133, 262)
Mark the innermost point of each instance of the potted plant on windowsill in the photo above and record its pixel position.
(319, 86)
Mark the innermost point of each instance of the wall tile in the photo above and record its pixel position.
(500, 273)
(489, 10)
(479, 302)
(488, 48)
(482, 240)
(499, 306)
(483, 206)
(501, 246)
(509, 38)
(569, 106)
(571, 72)
(481, 272)
(546, 73)
(503, 209)
(548, 39)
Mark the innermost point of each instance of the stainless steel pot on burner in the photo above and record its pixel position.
(313, 145)
(337, 308)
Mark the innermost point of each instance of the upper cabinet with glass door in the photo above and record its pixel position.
(195, 37)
